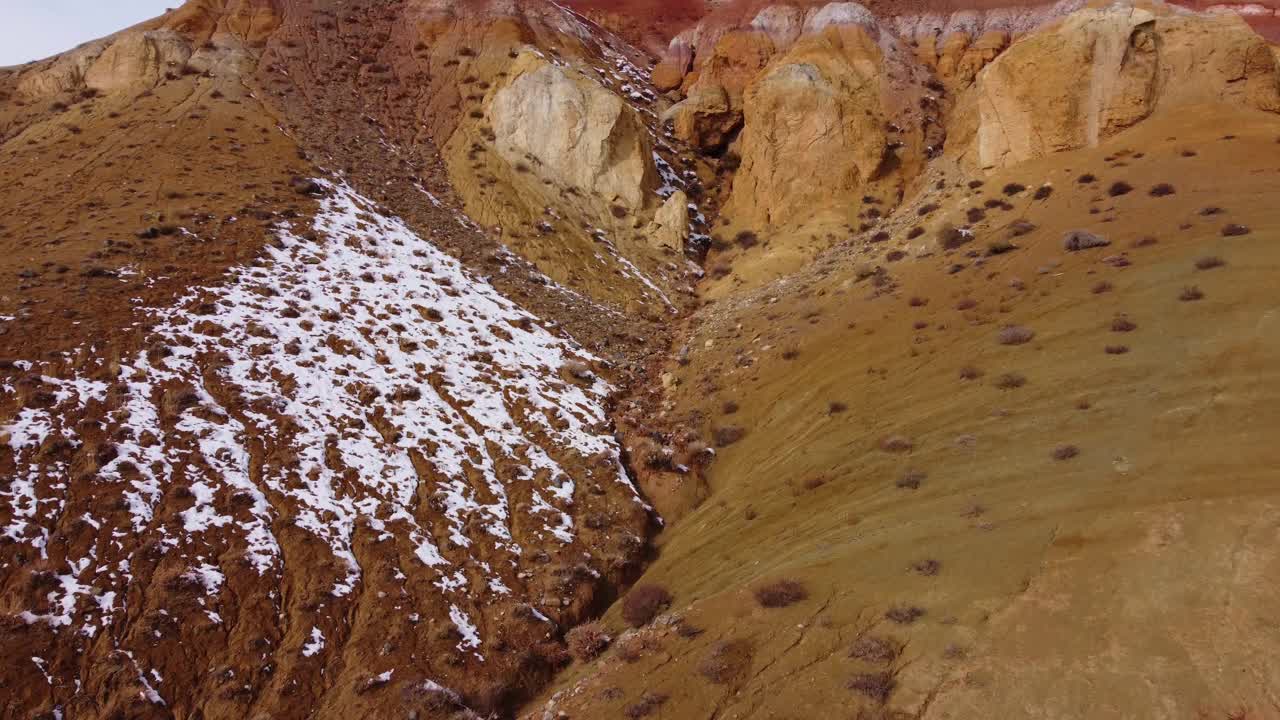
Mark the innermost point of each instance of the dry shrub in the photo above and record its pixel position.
(746, 239)
(904, 614)
(631, 648)
(1086, 178)
(969, 372)
(1191, 293)
(1162, 190)
(643, 603)
(1011, 381)
(966, 304)
(874, 649)
(780, 593)
(1015, 335)
(1119, 188)
(1123, 324)
(1076, 240)
(727, 435)
(950, 237)
(727, 661)
(1102, 287)
(876, 685)
(1013, 189)
(1234, 230)
(911, 479)
(645, 706)
(1116, 349)
(1065, 452)
(586, 642)
(897, 444)
(1043, 192)
(1209, 262)
(928, 567)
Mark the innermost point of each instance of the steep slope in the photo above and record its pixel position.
(359, 358)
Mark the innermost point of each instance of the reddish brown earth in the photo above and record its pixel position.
(353, 354)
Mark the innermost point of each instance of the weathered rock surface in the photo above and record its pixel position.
(1098, 72)
(573, 132)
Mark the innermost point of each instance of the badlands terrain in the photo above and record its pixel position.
(625, 359)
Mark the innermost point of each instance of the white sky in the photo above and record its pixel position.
(35, 29)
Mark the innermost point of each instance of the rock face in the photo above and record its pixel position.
(1100, 71)
(573, 132)
(818, 126)
(670, 226)
(713, 111)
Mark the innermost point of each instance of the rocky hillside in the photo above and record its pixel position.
(513, 358)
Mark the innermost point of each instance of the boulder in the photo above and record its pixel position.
(713, 109)
(670, 226)
(572, 132)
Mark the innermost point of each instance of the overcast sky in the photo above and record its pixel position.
(35, 29)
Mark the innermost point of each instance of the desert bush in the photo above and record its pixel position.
(1043, 192)
(1013, 188)
(727, 660)
(1065, 452)
(1075, 240)
(780, 593)
(1211, 210)
(876, 685)
(904, 614)
(966, 304)
(915, 232)
(975, 215)
(1102, 286)
(911, 480)
(1015, 335)
(874, 649)
(928, 567)
(587, 641)
(1209, 262)
(969, 372)
(1116, 349)
(1086, 178)
(1119, 188)
(1000, 247)
(1162, 190)
(1123, 324)
(917, 301)
(1190, 293)
(1011, 381)
(727, 435)
(1145, 241)
(950, 237)
(926, 209)
(746, 239)
(897, 444)
(643, 603)
(1021, 227)
(645, 706)
(836, 407)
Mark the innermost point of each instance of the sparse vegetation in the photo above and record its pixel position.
(1013, 188)
(1043, 192)
(726, 435)
(1210, 262)
(904, 614)
(897, 444)
(876, 685)
(1191, 293)
(911, 480)
(872, 649)
(950, 237)
(1122, 324)
(1065, 452)
(1162, 190)
(1119, 188)
(1116, 349)
(643, 603)
(1076, 240)
(1011, 381)
(780, 593)
(928, 568)
(969, 372)
(1102, 286)
(586, 642)
(1015, 335)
